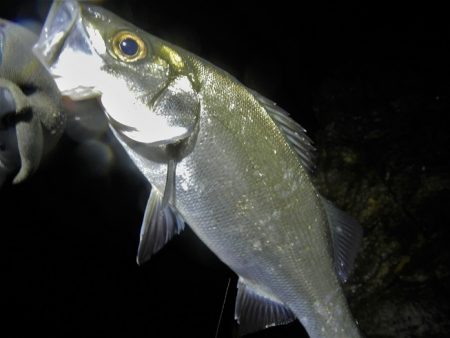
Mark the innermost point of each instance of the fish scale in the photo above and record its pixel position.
(240, 184)
(223, 159)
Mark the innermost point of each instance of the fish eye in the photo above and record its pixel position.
(128, 47)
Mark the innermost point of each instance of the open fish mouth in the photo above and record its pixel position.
(63, 32)
(59, 22)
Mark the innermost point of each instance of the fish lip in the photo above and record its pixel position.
(64, 28)
(60, 21)
(120, 127)
(79, 93)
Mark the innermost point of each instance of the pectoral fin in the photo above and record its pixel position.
(169, 189)
(161, 222)
(256, 310)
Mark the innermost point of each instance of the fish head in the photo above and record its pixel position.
(144, 85)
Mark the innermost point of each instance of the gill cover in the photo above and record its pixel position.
(145, 87)
(147, 90)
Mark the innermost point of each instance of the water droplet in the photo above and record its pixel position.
(257, 245)
(184, 186)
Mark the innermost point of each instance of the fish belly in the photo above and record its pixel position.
(243, 191)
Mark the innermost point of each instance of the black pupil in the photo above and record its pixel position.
(129, 46)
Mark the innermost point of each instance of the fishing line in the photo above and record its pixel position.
(223, 307)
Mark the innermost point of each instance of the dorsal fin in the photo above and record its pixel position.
(161, 222)
(346, 234)
(294, 132)
(256, 310)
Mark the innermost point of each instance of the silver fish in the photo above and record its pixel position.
(220, 157)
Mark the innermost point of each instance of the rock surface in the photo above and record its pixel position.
(384, 157)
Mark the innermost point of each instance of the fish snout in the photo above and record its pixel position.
(59, 22)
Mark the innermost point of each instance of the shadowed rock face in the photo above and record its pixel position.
(383, 156)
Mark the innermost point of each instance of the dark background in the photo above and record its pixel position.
(369, 81)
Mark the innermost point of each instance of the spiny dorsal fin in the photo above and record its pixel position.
(346, 234)
(256, 310)
(161, 222)
(295, 133)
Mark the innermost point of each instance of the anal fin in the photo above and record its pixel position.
(256, 310)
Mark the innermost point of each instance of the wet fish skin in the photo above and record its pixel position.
(218, 157)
